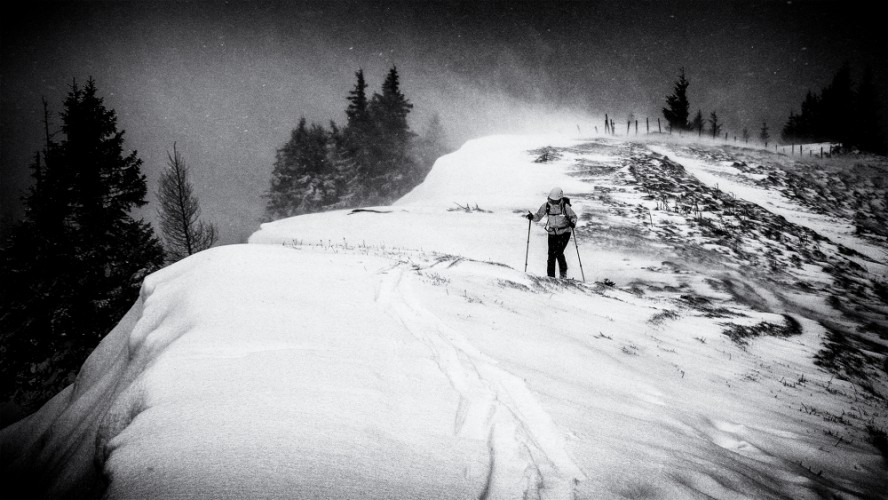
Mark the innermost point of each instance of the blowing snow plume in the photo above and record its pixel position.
(728, 342)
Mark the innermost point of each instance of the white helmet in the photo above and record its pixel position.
(556, 194)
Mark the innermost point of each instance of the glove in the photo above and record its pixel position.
(572, 224)
(529, 216)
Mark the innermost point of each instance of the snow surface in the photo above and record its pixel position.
(403, 353)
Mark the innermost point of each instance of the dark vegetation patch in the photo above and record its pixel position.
(878, 439)
(740, 334)
(662, 316)
(876, 328)
(546, 154)
(706, 306)
(550, 285)
(468, 208)
(857, 192)
(841, 354)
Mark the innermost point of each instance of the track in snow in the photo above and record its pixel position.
(528, 458)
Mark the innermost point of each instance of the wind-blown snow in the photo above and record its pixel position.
(404, 353)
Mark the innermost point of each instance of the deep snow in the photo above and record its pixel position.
(404, 353)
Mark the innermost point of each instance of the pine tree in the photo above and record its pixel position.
(677, 105)
(764, 135)
(74, 265)
(185, 234)
(745, 135)
(714, 125)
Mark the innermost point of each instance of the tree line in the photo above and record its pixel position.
(677, 115)
(373, 160)
(74, 264)
(840, 113)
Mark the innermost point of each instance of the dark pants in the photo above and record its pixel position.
(557, 244)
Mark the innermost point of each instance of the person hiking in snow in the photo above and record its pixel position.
(561, 219)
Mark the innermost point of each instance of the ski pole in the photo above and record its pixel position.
(527, 250)
(582, 273)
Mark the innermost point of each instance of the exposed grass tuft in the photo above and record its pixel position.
(740, 334)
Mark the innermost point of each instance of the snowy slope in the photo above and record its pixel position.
(729, 350)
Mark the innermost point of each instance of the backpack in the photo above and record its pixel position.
(564, 201)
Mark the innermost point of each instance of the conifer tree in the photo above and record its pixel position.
(179, 213)
(837, 107)
(304, 178)
(745, 135)
(375, 158)
(869, 121)
(697, 123)
(391, 168)
(854, 118)
(714, 125)
(74, 265)
(677, 106)
(764, 135)
(357, 111)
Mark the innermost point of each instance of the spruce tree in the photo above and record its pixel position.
(304, 178)
(282, 193)
(357, 112)
(764, 135)
(869, 120)
(677, 105)
(714, 125)
(355, 145)
(74, 265)
(837, 107)
(391, 170)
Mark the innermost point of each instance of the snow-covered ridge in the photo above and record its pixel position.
(402, 352)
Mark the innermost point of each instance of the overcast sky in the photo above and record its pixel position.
(227, 81)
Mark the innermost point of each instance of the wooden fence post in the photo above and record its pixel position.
(659, 129)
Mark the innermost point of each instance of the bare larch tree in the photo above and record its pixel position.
(185, 234)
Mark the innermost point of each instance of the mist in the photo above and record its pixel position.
(227, 82)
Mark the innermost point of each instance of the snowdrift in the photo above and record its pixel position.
(402, 352)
